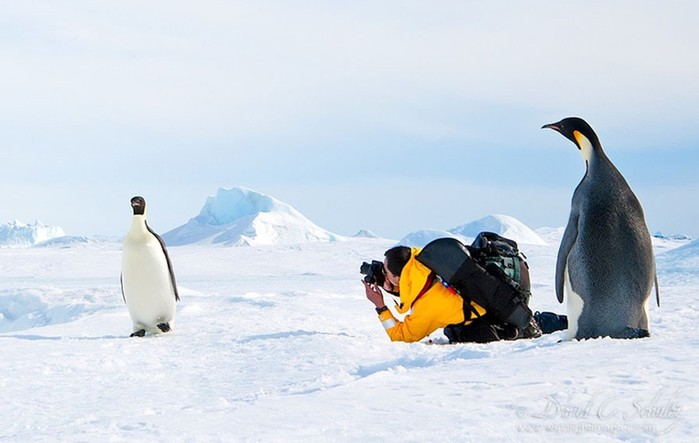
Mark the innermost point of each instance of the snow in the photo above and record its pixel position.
(504, 225)
(242, 217)
(278, 343)
(681, 259)
(16, 233)
(686, 251)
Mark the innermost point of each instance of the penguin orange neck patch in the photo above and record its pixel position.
(583, 144)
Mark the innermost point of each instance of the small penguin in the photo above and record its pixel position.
(605, 262)
(147, 279)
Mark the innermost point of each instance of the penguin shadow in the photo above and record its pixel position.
(544, 342)
(31, 337)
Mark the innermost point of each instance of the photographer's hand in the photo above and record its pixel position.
(374, 294)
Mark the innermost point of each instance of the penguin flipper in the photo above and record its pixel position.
(657, 289)
(121, 282)
(567, 242)
(167, 259)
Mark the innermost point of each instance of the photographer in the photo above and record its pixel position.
(432, 305)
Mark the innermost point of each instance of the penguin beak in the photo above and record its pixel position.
(552, 126)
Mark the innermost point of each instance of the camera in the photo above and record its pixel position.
(373, 272)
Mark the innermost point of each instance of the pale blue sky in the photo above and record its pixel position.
(387, 115)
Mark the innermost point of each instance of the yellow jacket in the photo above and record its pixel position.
(435, 308)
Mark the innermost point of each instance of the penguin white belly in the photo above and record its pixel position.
(574, 306)
(148, 289)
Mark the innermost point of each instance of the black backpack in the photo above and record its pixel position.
(501, 257)
(491, 272)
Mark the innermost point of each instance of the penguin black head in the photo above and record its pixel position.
(138, 204)
(579, 132)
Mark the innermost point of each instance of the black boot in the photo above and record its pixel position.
(551, 322)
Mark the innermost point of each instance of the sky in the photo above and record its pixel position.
(391, 116)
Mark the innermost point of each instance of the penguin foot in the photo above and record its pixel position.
(165, 327)
(139, 333)
(632, 333)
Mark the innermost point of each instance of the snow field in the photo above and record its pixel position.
(277, 343)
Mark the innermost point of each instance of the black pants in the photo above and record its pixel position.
(486, 329)
(481, 330)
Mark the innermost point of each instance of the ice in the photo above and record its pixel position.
(504, 225)
(16, 233)
(242, 217)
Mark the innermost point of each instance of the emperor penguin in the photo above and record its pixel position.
(147, 279)
(605, 263)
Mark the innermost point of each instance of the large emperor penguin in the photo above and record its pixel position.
(605, 264)
(147, 280)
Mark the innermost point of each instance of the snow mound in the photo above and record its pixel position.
(688, 251)
(418, 239)
(22, 309)
(242, 217)
(365, 233)
(64, 241)
(16, 233)
(504, 225)
(680, 259)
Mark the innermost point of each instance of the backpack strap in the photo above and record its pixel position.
(428, 285)
(468, 308)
